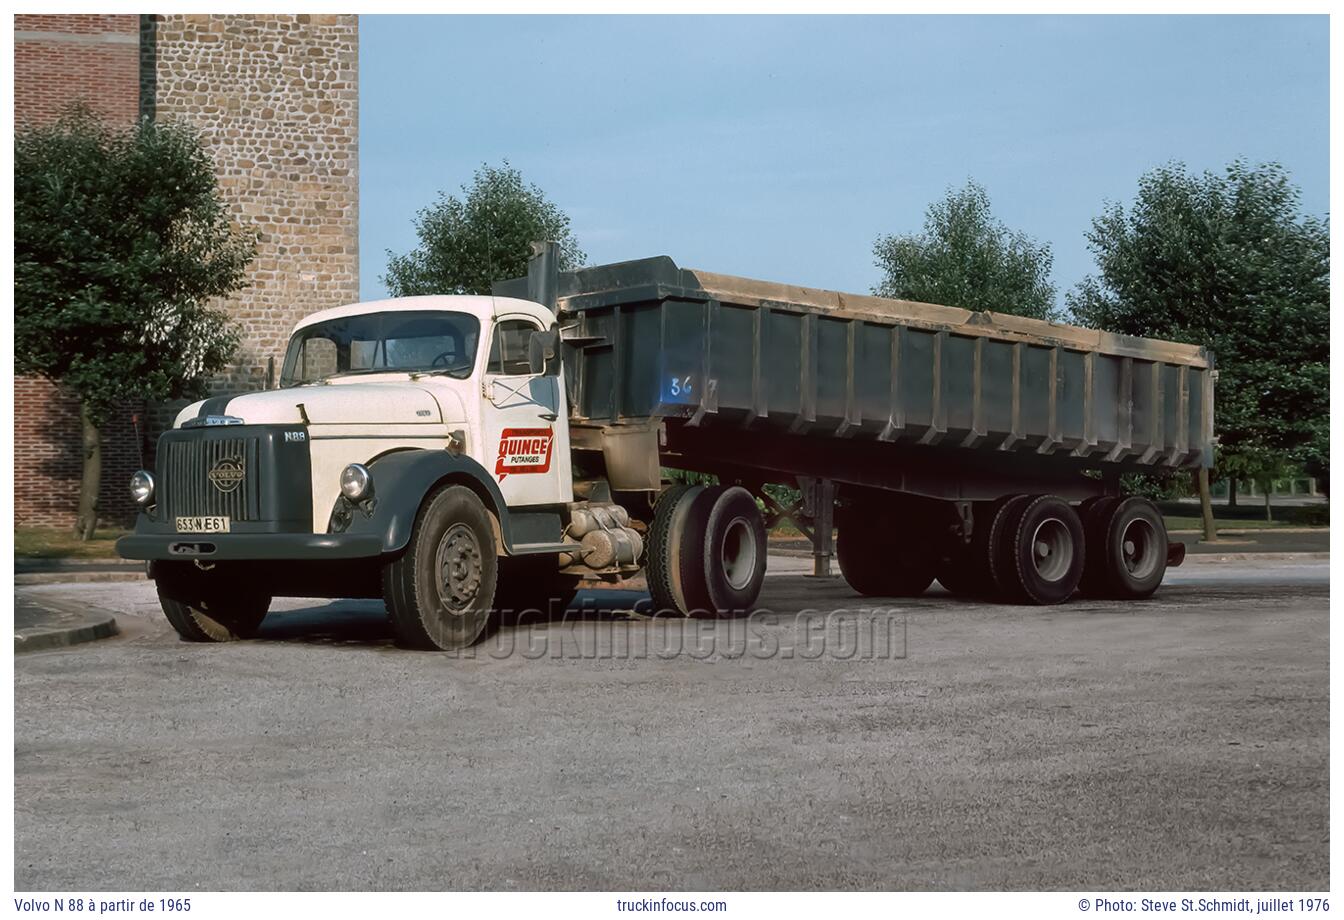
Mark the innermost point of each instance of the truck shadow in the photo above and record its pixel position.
(365, 622)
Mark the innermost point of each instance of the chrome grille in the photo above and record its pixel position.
(189, 490)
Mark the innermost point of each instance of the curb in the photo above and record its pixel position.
(68, 577)
(1255, 557)
(36, 639)
(1249, 531)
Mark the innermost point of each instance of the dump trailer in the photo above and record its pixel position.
(469, 456)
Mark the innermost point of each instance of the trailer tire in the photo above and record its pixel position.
(203, 612)
(439, 591)
(1096, 514)
(1043, 551)
(663, 549)
(733, 551)
(863, 546)
(1131, 541)
(961, 575)
(993, 554)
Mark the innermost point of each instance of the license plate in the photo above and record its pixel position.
(202, 525)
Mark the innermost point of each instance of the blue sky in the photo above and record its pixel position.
(782, 147)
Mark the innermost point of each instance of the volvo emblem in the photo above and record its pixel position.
(226, 474)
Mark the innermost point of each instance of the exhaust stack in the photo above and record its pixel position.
(543, 273)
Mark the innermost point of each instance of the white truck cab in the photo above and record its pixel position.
(437, 373)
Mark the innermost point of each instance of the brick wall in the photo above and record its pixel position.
(57, 60)
(48, 461)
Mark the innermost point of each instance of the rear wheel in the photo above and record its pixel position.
(732, 558)
(210, 605)
(993, 555)
(884, 553)
(663, 549)
(1131, 545)
(706, 551)
(439, 591)
(1042, 551)
(1096, 514)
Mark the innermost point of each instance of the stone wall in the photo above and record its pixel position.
(277, 100)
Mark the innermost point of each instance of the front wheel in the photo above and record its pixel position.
(439, 591)
(204, 606)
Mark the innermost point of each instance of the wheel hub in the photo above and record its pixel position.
(1052, 549)
(1138, 546)
(458, 563)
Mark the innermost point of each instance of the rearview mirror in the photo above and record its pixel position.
(543, 352)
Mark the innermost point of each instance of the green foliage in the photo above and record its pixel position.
(1162, 486)
(1226, 260)
(967, 258)
(120, 242)
(689, 477)
(468, 243)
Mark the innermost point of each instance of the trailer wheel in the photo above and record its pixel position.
(957, 575)
(733, 552)
(1043, 551)
(1096, 514)
(439, 591)
(991, 554)
(882, 556)
(1131, 541)
(663, 547)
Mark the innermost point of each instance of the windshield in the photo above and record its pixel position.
(395, 340)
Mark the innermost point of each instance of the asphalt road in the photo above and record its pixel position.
(1180, 743)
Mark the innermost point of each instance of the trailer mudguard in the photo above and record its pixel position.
(403, 478)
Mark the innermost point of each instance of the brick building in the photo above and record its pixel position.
(276, 100)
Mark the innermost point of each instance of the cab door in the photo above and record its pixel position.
(524, 420)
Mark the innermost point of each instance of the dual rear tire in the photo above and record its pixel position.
(1024, 549)
(706, 551)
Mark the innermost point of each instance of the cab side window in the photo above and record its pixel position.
(508, 348)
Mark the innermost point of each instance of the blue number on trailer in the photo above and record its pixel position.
(681, 388)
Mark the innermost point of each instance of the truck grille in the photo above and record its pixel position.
(216, 476)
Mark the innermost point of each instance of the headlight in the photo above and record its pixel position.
(356, 482)
(142, 487)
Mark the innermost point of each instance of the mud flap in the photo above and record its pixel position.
(1175, 554)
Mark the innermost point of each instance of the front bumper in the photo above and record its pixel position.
(250, 546)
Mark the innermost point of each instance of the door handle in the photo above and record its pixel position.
(549, 416)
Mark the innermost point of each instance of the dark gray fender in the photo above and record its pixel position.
(402, 479)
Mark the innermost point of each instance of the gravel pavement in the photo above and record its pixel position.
(1180, 743)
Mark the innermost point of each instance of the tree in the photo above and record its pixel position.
(967, 258)
(1227, 260)
(120, 242)
(468, 243)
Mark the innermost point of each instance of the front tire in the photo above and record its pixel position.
(205, 606)
(439, 591)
